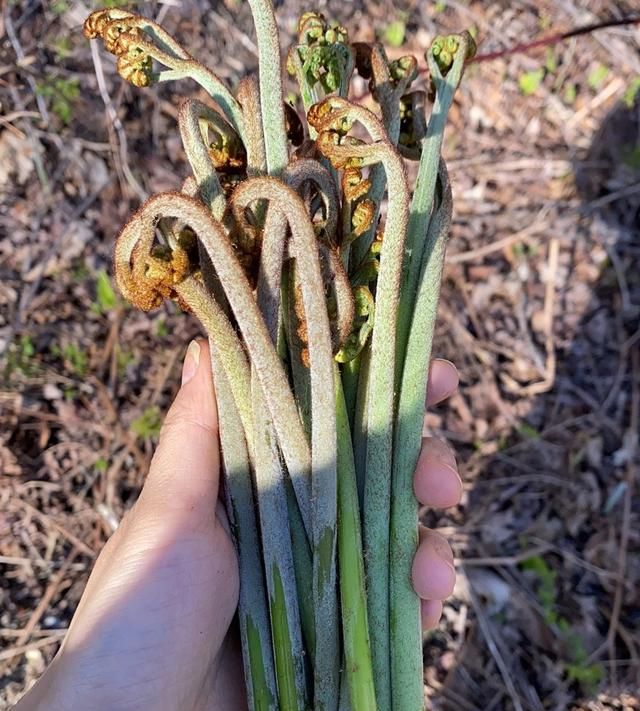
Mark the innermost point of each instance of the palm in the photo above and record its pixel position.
(157, 610)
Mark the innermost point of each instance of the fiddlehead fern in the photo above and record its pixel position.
(333, 118)
(286, 265)
(323, 425)
(137, 41)
(406, 652)
(135, 242)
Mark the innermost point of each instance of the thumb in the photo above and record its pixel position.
(185, 471)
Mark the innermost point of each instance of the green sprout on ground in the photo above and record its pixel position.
(76, 359)
(62, 95)
(21, 357)
(576, 663)
(631, 93)
(530, 81)
(106, 298)
(314, 268)
(148, 424)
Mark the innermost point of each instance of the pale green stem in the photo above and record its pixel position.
(406, 651)
(350, 371)
(141, 229)
(271, 95)
(253, 610)
(249, 97)
(389, 102)
(422, 203)
(355, 629)
(380, 405)
(224, 339)
(181, 66)
(278, 560)
(304, 249)
(191, 117)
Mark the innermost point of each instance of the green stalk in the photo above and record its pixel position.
(253, 612)
(278, 561)
(355, 629)
(380, 402)
(192, 115)
(271, 96)
(406, 651)
(303, 569)
(422, 203)
(389, 100)
(304, 249)
(350, 371)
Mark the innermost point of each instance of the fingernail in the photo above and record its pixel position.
(191, 362)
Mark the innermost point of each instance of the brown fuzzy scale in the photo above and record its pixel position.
(135, 67)
(362, 217)
(95, 25)
(354, 186)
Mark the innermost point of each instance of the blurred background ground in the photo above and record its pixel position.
(540, 312)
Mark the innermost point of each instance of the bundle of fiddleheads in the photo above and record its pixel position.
(314, 269)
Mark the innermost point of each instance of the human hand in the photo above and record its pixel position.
(152, 630)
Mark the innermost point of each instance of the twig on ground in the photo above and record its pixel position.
(485, 628)
(119, 143)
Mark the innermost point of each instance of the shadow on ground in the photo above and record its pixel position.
(554, 512)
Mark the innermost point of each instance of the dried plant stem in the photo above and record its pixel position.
(406, 651)
(257, 651)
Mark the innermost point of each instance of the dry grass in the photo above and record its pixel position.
(540, 312)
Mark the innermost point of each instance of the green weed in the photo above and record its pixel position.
(20, 357)
(106, 298)
(629, 96)
(530, 81)
(61, 95)
(393, 34)
(597, 75)
(148, 424)
(576, 666)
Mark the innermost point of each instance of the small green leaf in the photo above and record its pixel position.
(105, 294)
(530, 81)
(100, 465)
(570, 93)
(597, 75)
(76, 359)
(629, 96)
(148, 424)
(528, 431)
(394, 33)
(551, 63)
